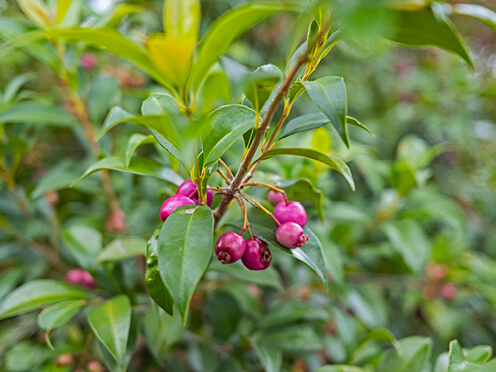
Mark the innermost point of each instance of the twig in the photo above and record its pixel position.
(246, 224)
(227, 168)
(228, 181)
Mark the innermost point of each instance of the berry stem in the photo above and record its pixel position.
(228, 181)
(219, 189)
(227, 168)
(246, 223)
(258, 205)
(272, 187)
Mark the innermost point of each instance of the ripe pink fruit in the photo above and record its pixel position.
(171, 204)
(291, 235)
(290, 212)
(230, 247)
(88, 61)
(257, 255)
(189, 189)
(449, 291)
(274, 197)
(81, 278)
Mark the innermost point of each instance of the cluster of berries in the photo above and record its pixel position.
(289, 216)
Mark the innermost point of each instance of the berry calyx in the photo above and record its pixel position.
(257, 255)
(230, 248)
(81, 278)
(291, 235)
(171, 204)
(189, 189)
(290, 212)
(275, 197)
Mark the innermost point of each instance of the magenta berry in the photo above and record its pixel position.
(275, 197)
(290, 212)
(171, 204)
(81, 278)
(189, 189)
(88, 61)
(291, 235)
(257, 255)
(230, 247)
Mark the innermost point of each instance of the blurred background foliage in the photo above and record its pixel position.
(412, 251)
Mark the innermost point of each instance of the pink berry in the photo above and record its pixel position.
(291, 235)
(81, 278)
(230, 247)
(189, 189)
(275, 197)
(449, 291)
(171, 204)
(290, 212)
(257, 255)
(88, 61)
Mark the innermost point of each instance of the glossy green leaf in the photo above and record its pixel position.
(57, 315)
(121, 248)
(8, 281)
(110, 323)
(185, 247)
(329, 93)
(352, 121)
(171, 149)
(260, 84)
(270, 359)
(137, 140)
(302, 190)
(407, 238)
(311, 253)
(226, 125)
(333, 162)
(420, 26)
(227, 28)
(156, 288)
(140, 166)
(84, 242)
(160, 123)
(304, 123)
(39, 293)
(37, 113)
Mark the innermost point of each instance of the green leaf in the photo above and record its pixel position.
(420, 26)
(408, 239)
(415, 356)
(184, 251)
(479, 12)
(215, 91)
(110, 323)
(304, 123)
(160, 123)
(290, 312)
(340, 368)
(227, 28)
(36, 11)
(169, 147)
(62, 8)
(271, 359)
(84, 243)
(9, 280)
(333, 162)
(479, 354)
(140, 166)
(329, 93)
(311, 253)
(225, 126)
(356, 123)
(297, 339)
(260, 84)
(37, 113)
(122, 248)
(39, 293)
(266, 278)
(136, 140)
(57, 315)
(156, 287)
(182, 18)
(115, 43)
(302, 190)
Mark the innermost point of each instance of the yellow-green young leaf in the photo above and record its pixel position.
(173, 57)
(110, 323)
(62, 8)
(185, 247)
(39, 293)
(181, 19)
(321, 141)
(36, 11)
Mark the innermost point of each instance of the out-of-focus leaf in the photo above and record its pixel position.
(301, 338)
(304, 123)
(415, 356)
(302, 190)
(36, 11)
(8, 281)
(184, 251)
(39, 293)
(271, 359)
(57, 315)
(110, 323)
(479, 12)
(121, 248)
(136, 140)
(333, 162)
(37, 113)
(84, 243)
(259, 85)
